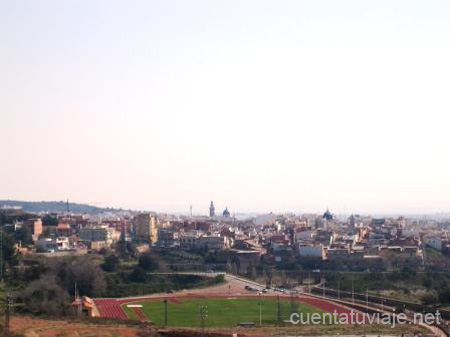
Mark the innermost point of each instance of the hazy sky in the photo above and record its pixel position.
(257, 105)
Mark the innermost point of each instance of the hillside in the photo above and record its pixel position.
(55, 206)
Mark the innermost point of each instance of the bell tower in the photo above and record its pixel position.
(211, 210)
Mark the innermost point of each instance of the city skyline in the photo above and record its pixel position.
(259, 106)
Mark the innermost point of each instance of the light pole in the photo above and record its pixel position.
(367, 299)
(353, 290)
(203, 313)
(260, 310)
(165, 311)
(278, 310)
(339, 288)
(7, 314)
(309, 282)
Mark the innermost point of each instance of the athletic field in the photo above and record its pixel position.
(221, 312)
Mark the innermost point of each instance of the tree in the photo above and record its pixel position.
(148, 262)
(8, 251)
(24, 235)
(50, 220)
(138, 275)
(84, 273)
(268, 274)
(45, 296)
(253, 272)
(283, 278)
(111, 263)
(444, 295)
(428, 299)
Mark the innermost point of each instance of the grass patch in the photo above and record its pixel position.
(221, 312)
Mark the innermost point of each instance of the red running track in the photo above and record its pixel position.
(140, 314)
(111, 307)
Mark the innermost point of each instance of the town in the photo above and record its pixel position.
(315, 242)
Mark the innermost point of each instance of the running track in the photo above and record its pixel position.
(112, 307)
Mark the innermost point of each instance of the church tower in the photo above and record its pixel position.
(211, 210)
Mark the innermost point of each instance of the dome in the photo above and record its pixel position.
(328, 216)
(226, 213)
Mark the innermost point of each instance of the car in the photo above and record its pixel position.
(265, 291)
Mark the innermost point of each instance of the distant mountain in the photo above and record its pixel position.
(55, 207)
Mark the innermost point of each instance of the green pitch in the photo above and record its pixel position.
(221, 312)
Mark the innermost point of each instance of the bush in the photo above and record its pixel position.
(83, 272)
(148, 262)
(444, 295)
(138, 275)
(428, 299)
(45, 296)
(111, 263)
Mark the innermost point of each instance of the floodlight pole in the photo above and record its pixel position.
(353, 290)
(7, 315)
(260, 310)
(338, 288)
(165, 311)
(367, 299)
(278, 309)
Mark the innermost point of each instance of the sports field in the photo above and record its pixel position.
(221, 312)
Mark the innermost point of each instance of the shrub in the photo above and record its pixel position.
(148, 262)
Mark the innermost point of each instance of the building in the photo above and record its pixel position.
(328, 216)
(214, 242)
(435, 242)
(188, 241)
(226, 213)
(146, 227)
(35, 225)
(167, 237)
(52, 245)
(212, 210)
(98, 234)
(311, 251)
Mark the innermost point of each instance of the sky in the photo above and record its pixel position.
(258, 105)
